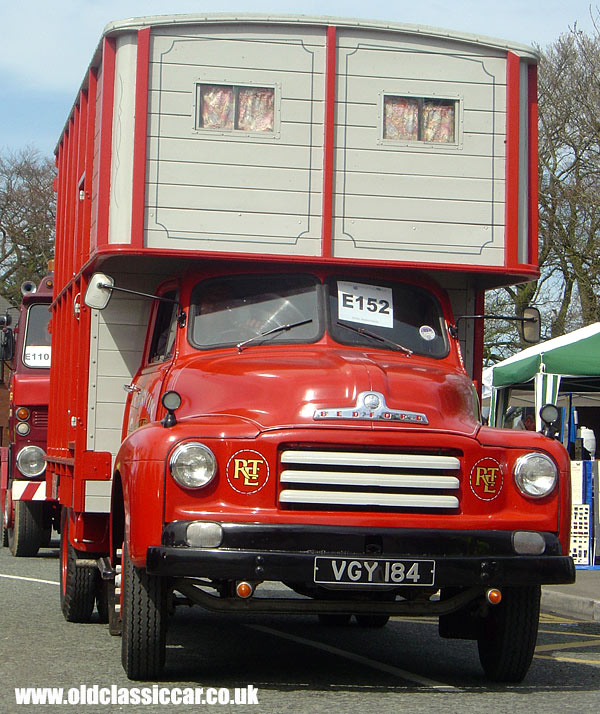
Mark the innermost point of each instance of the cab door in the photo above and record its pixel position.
(146, 387)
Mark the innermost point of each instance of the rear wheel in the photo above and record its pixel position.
(508, 634)
(25, 537)
(144, 622)
(77, 585)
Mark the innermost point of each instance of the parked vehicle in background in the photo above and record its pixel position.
(28, 514)
(269, 231)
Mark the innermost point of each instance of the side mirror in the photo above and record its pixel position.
(549, 414)
(99, 291)
(7, 345)
(531, 325)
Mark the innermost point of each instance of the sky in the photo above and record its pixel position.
(46, 45)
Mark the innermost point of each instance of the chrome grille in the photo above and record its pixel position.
(359, 480)
(39, 418)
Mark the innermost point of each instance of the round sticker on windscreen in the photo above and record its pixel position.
(427, 333)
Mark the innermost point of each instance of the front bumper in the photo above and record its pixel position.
(286, 553)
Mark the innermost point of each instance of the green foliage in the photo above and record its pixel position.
(568, 290)
(27, 216)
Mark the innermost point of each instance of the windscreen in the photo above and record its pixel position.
(396, 316)
(257, 309)
(36, 347)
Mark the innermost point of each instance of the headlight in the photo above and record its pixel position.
(23, 428)
(193, 465)
(535, 474)
(31, 461)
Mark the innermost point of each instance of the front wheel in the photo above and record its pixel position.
(507, 637)
(25, 537)
(144, 622)
(77, 585)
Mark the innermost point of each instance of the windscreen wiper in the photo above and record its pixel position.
(379, 338)
(281, 328)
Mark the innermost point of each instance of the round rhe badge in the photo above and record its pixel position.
(486, 479)
(247, 471)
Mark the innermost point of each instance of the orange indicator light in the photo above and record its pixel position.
(22, 413)
(494, 596)
(244, 590)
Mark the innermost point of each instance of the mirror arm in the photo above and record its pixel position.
(512, 318)
(181, 317)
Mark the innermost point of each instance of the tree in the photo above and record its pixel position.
(568, 291)
(27, 215)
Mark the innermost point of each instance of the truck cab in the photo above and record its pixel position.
(317, 428)
(28, 515)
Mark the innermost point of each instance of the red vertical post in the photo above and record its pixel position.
(60, 207)
(329, 142)
(533, 165)
(105, 154)
(89, 164)
(72, 197)
(83, 104)
(140, 138)
(511, 230)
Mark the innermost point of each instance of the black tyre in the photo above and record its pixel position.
(102, 598)
(77, 585)
(46, 537)
(333, 619)
(372, 620)
(25, 537)
(144, 616)
(507, 637)
(3, 532)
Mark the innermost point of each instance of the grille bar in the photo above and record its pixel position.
(368, 479)
(349, 498)
(39, 419)
(347, 458)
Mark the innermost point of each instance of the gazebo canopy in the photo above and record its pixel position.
(570, 363)
(573, 355)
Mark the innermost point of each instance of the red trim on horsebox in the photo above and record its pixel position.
(106, 122)
(511, 229)
(533, 166)
(329, 143)
(89, 166)
(140, 138)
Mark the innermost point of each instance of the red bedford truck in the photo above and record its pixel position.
(28, 514)
(290, 217)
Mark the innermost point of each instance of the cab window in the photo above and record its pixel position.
(36, 347)
(165, 329)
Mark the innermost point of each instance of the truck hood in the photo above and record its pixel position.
(285, 388)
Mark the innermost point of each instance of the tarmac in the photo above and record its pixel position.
(579, 601)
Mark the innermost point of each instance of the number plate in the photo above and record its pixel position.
(373, 571)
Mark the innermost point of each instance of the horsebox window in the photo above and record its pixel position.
(235, 108)
(422, 119)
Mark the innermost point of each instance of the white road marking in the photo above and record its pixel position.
(389, 669)
(31, 580)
